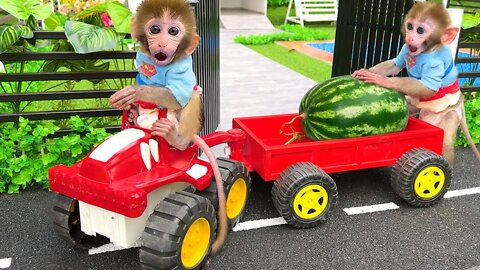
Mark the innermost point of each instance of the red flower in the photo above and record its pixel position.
(107, 21)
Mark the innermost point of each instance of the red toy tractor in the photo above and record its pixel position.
(135, 186)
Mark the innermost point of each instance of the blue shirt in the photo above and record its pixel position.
(434, 69)
(177, 76)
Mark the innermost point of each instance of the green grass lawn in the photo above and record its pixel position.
(310, 67)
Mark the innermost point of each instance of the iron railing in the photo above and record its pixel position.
(206, 64)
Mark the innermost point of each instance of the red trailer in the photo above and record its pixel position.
(304, 193)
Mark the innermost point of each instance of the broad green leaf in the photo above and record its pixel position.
(470, 20)
(25, 32)
(23, 9)
(54, 22)
(31, 22)
(9, 34)
(121, 16)
(86, 38)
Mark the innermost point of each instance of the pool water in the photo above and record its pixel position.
(329, 47)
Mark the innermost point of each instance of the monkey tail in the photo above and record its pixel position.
(222, 212)
(463, 125)
(190, 118)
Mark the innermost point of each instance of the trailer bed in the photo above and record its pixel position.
(266, 153)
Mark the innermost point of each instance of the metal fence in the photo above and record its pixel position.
(471, 60)
(206, 66)
(368, 32)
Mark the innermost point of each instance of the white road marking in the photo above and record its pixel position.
(110, 247)
(462, 192)
(5, 263)
(370, 208)
(255, 224)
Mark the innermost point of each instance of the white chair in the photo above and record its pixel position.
(312, 11)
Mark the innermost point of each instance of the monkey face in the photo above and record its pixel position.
(417, 33)
(163, 37)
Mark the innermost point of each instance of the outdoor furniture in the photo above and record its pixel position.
(312, 11)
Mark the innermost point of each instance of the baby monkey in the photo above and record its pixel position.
(431, 87)
(166, 31)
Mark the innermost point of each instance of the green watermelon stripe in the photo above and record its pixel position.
(352, 109)
(382, 119)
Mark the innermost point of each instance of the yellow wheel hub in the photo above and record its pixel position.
(236, 198)
(195, 244)
(310, 202)
(429, 182)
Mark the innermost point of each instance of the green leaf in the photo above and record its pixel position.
(72, 139)
(54, 22)
(9, 35)
(470, 20)
(44, 131)
(23, 9)
(86, 38)
(88, 65)
(31, 22)
(121, 16)
(50, 158)
(2, 186)
(25, 32)
(12, 188)
(76, 123)
(76, 150)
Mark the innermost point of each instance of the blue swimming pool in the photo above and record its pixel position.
(329, 47)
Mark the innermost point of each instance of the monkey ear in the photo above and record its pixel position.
(193, 44)
(449, 34)
(133, 26)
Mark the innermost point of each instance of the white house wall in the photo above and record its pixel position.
(259, 6)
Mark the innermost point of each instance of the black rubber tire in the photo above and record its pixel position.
(66, 221)
(167, 227)
(409, 167)
(231, 172)
(296, 178)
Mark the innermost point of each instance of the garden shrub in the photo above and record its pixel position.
(274, 3)
(27, 150)
(290, 33)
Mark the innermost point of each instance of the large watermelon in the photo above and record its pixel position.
(346, 107)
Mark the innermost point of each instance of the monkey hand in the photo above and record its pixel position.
(371, 77)
(132, 115)
(168, 130)
(122, 99)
